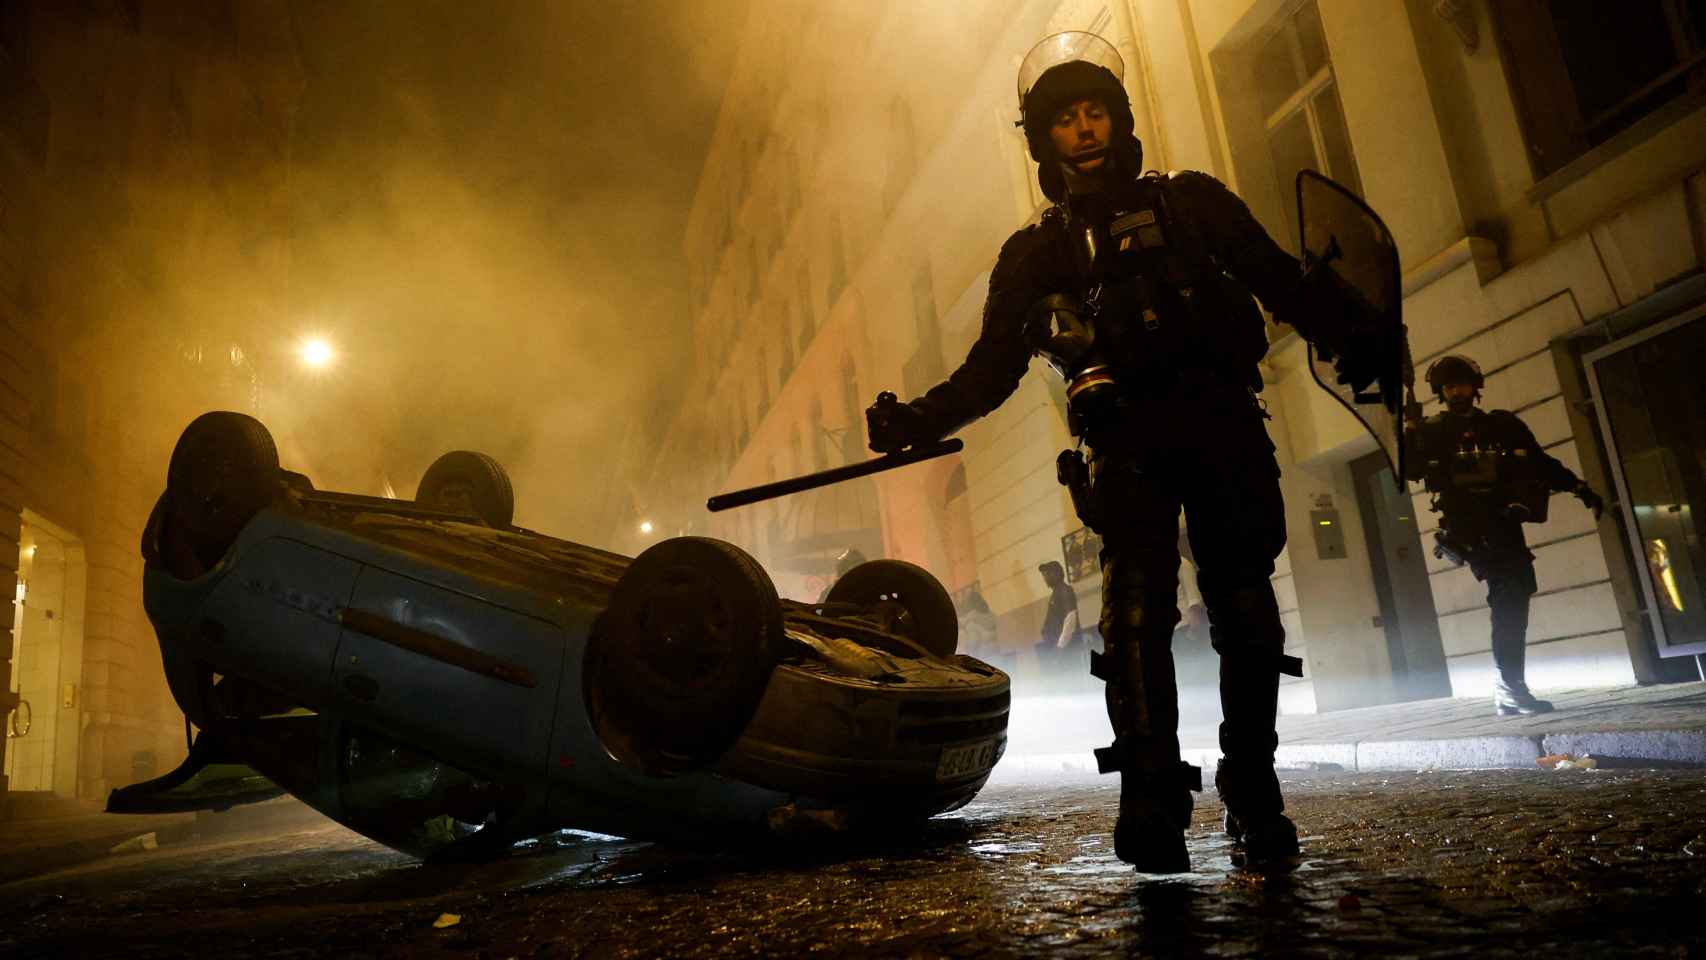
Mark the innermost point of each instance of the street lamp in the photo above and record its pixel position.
(316, 353)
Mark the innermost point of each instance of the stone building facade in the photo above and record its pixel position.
(1549, 214)
(144, 266)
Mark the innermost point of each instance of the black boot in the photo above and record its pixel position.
(1155, 811)
(1262, 835)
(1512, 701)
(1155, 785)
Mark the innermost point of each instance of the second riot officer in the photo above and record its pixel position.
(1488, 476)
(1137, 290)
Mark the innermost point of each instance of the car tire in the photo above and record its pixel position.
(679, 660)
(915, 601)
(223, 471)
(462, 481)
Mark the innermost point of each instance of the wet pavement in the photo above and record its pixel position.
(1489, 864)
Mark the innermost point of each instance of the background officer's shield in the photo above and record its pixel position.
(1342, 234)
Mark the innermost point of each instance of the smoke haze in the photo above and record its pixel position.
(479, 206)
(487, 222)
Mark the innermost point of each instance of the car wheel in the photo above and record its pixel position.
(223, 471)
(679, 660)
(463, 481)
(909, 601)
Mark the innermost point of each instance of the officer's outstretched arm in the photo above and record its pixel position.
(989, 375)
(1558, 478)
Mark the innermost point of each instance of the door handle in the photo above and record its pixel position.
(438, 648)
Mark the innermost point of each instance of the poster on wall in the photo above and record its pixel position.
(1082, 552)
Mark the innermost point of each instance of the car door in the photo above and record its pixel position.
(273, 621)
(469, 681)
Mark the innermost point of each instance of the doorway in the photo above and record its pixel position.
(1401, 582)
(1649, 394)
(43, 732)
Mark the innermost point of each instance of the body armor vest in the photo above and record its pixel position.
(1150, 302)
(1465, 462)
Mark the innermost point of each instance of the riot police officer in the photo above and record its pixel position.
(1488, 476)
(1136, 290)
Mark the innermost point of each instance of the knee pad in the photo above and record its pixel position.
(1245, 626)
(1137, 600)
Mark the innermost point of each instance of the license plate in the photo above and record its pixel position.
(967, 759)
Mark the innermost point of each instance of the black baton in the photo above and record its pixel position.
(781, 488)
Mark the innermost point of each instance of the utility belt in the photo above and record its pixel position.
(1482, 551)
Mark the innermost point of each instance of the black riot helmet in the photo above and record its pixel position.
(1455, 368)
(1060, 71)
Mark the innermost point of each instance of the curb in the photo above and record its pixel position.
(1623, 748)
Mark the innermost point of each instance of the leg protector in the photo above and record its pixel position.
(1251, 642)
(1143, 708)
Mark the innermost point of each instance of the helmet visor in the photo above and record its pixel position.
(1064, 48)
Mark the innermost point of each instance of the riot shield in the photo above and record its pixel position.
(1339, 232)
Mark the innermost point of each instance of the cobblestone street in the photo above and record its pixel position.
(1490, 864)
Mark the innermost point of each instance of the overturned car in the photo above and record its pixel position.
(431, 676)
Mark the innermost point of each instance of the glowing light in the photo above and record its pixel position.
(316, 353)
(645, 526)
(1325, 523)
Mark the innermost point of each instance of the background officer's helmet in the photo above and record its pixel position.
(1455, 368)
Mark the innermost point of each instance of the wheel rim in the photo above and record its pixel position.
(682, 655)
(687, 629)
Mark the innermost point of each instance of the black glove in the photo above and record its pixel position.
(1347, 331)
(1591, 500)
(893, 426)
(1374, 357)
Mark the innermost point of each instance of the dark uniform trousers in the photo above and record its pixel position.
(1201, 448)
(1509, 574)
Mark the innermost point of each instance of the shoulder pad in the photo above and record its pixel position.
(1031, 236)
(1193, 178)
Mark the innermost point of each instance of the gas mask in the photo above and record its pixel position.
(1062, 330)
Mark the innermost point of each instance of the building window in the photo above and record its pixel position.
(837, 262)
(763, 385)
(903, 153)
(820, 452)
(1305, 123)
(787, 349)
(757, 279)
(853, 433)
(808, 316)
(790, 185)
(1584, 72)
(924, 368)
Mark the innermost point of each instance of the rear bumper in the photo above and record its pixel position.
(823, 736)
